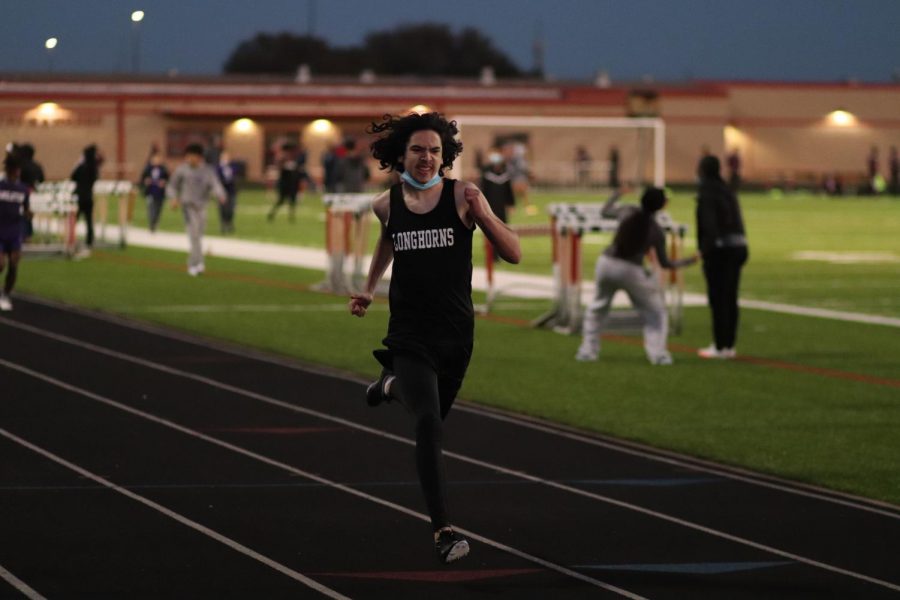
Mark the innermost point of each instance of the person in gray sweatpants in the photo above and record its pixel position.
(191, 185)
(621, 266)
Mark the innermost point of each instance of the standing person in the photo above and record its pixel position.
(496, 185)
(583, 162)
(329, 168)
(734, 169)
(515, 155)
(31, 173)
(351, 173)
(614, 182)
(85, 175)
(225, 171)
(191, 185)
(427, 223)
(723, 245)
(894, 171)
(872, 169)
(14, 210)
(289, 177)
(621, 267)
(154, 180)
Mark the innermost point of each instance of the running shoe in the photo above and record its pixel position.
(717, 353)
(375, 393)
(5, 302)
(450, 546)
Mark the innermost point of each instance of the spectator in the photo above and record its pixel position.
(31, 174)
(85, 175)
(723, 245)
(191, 185)
(153, 182)
(734, 169)
(583, 162)
(351, 173)
(226, 172)
(893, 171)
(496, 185)
(14, 210)
(614, 182)
(291, 172)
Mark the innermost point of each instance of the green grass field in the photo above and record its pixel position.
(816, 401)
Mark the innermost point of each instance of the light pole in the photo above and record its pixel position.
(50, 44)
(136, 18)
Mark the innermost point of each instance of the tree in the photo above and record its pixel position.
(427, 49)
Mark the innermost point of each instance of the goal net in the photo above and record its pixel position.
(569, 151)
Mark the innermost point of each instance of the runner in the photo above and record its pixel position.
(427, 225)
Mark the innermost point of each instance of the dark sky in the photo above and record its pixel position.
(795, 40)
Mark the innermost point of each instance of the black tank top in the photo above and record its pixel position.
(431, 282)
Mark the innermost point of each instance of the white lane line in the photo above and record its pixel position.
(172, 514)
(695, 464)
(293, 470)
(467, 459)
(21, 587)
(735, 473)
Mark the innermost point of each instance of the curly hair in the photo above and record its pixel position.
(396, 133)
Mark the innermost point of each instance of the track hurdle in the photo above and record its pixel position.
(55, 206)
(120, 192)
(347, 219)
(569, 223)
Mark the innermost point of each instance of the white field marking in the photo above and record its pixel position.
(847, 258)
(824, 313)
(279, 308)
(21, 587)
(455, 455)
(632, 448)
(168, 512)
(286, 467)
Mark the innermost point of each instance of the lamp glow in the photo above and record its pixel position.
(321, 126)
(50, 44)
(244, 125)
(419, 109)
(48, 110)
(137, 16)
(842, 118)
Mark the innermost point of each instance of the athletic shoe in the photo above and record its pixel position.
(375, 393)
(587, 354)
(662, 359)
(194, 271)
(450, 546)
(717, 353)
(5, 302)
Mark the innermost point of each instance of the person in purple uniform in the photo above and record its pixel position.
(427, 223)
(14, 211)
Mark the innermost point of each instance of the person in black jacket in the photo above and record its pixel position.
(723, 245)
(86, 173)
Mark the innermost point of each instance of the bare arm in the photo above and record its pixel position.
(381, 258)
(478, 211)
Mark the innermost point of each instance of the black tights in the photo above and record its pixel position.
(416, 387)
(722, 268)
(12, 266)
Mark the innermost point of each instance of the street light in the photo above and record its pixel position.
(136, 18)
(50, 44)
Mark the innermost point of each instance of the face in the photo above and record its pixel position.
(193, 159)
(423, 156)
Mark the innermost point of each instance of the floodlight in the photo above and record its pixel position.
(244, 125)
(48, 110)
(50, 44)
(321, 126)
(419, 109)
(137, 16)
(842, 118)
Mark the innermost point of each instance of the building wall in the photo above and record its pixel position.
(781, 130)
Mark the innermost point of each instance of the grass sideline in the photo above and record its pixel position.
(855, 236)
(810, 425)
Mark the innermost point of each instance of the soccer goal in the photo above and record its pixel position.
(572, 151)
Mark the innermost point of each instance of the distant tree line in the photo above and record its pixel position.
(427, 49)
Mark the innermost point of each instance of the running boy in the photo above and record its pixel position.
(14, 210)
(426, 230)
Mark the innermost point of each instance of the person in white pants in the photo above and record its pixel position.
(621, 267)
(191, 186)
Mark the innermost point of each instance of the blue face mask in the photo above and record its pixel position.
(420, 186)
